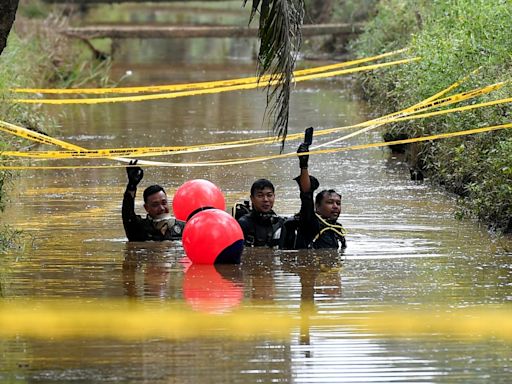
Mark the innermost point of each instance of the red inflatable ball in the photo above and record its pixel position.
(194, 196)
(206, 290)
(213, 237)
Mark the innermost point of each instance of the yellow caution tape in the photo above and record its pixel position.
(36, 136)
(131, 320)
(422, 104)
(41, 138)
(150, 163)
(31, 135)
(200, 85)
(230, 161)
(449, 88)
(435, 103)
(352, 147)
(172, 95)
(163, 151)
(401, 116)
(25, 133)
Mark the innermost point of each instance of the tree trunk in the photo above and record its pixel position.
(7, 14)
(141, 31)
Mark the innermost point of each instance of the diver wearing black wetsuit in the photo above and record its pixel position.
(157, 225)
(262, 229)
(262, 226)
(318, 226)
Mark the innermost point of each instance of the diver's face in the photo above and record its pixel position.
(157, 204)
(330, 206)
(263, 200)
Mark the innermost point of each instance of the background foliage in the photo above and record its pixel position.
(453, 38)
(38, 56)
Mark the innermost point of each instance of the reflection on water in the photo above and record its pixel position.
(213, 289)
(404, 246)
(150, 271)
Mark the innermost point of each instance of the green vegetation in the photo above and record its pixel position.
(333, 11)
(453, 39)
(37, 56)
(338, 11)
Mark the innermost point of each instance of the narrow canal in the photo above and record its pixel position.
(405, 248)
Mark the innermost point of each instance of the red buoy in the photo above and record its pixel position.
(213, 236)
(194, 196)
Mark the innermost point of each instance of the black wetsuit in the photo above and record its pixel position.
(313, 231)
(146, 229)
(262, 229)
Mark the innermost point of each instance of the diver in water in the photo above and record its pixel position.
(158, 225)
(261, 225)
(318, 226)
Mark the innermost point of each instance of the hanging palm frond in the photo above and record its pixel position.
(280, 36)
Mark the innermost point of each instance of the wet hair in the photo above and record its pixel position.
(261, 184)
(320, 195)
(152, 189)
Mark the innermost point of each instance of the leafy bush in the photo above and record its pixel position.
(453, 39)
(38, 56)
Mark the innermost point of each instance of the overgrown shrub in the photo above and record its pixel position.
(453, 38)
(38, 56)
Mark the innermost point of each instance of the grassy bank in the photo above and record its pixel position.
(453, 39)
(36, 56)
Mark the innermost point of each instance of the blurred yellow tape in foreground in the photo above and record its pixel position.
(123, 319)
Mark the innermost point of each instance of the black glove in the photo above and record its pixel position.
(135, 175)
(303, 160)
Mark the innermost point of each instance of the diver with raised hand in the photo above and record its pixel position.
(158, 225)
(318, 226)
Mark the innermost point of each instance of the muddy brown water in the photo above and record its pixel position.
(405, 248)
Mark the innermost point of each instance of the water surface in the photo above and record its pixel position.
(405, 248)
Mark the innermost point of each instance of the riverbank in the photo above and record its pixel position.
(36, 56)
(453, 39)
